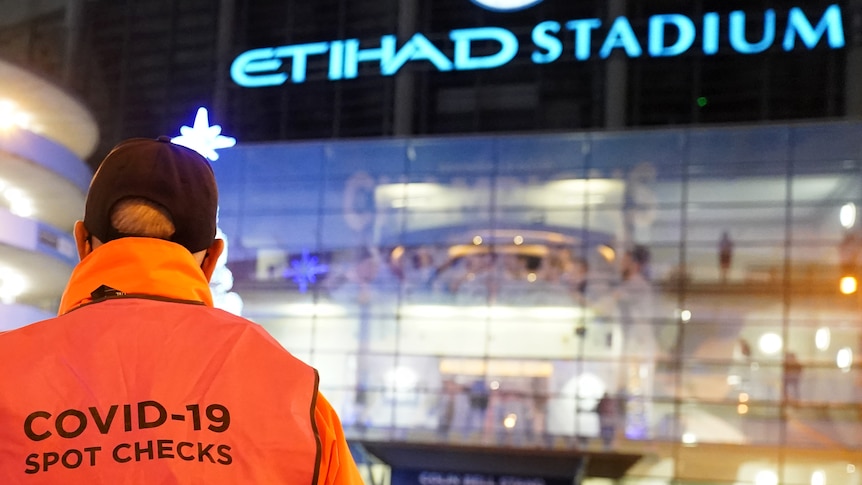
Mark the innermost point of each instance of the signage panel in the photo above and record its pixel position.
(665, 35)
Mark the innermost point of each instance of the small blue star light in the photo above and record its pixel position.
(202, 137)
(303, 271)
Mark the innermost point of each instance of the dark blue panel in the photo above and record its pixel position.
(452, 156)
(542, 154)
(614, 154)
(284, 162)
(828, 142)
(380, 158)
(294, 196)
(291, 232)
(729, 152)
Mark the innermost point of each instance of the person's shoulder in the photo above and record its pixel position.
(27, 330)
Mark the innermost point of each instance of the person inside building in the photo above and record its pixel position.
(139, 379)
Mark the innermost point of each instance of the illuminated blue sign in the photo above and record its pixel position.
(266, 66)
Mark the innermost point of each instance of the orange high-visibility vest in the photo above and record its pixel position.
(159, 387)
(126, 401)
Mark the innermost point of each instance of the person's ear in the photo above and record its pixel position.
(211, 258)
(82, 240)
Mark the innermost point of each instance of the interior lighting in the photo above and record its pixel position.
(743, 397)
(847, 215)
(689, 438)
(607, 252)
(770, 343)
(510, 421)
(402, 379)
(685, 316)
(848, 285)
(518, 240)
(818, 477)
(844, 359)
(12, 285)
(413, 195)
(314, 310)
(822, 338)
(19, 203)
(742, 409)
(531, 277)
(588, 388)
(11, 116)
(397, 253)
(851, 468)
(766, 477)
(477, 240)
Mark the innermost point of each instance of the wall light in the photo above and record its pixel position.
(844, 359)
(822, 338)
(770, 343)
(847, 216)
(848, 285)
(818, 477)
(12, 285)
(11, 116)
(766, 477)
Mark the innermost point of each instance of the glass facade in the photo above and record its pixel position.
(673, 291)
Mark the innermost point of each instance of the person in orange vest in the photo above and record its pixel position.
(139, 379)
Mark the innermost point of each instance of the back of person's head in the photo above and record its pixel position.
(140, 217)
(153, 188)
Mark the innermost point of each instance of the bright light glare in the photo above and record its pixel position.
(689, 438)
(12, 285)
(766, 477)
(590, 389)
(818, 477)
(848, 215)
(607, 252)
(314, 309)
(11, 116)
(685, 315)
(401, 379)
(510, 421)
(848, 285)
(822, 338)
(844, 359)
(770, 343)
(416, 194)
(19, 203)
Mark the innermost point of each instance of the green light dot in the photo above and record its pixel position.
(701, 101)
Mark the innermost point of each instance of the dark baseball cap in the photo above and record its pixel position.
(173, 176)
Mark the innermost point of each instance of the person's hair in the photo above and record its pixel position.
(140, 217)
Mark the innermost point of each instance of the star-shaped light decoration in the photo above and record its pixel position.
(202, 137)
(304, 270)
